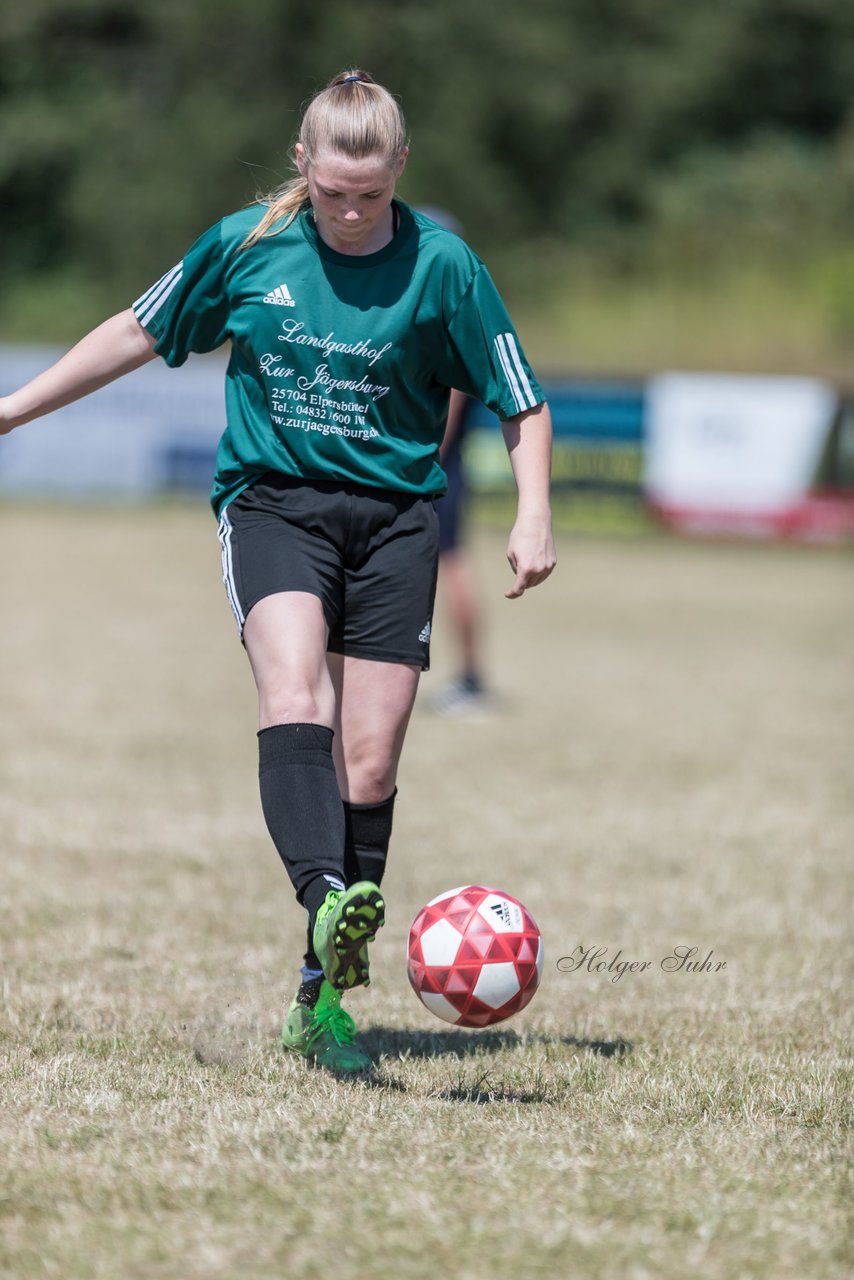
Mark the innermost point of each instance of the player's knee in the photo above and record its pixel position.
(371, 776)
(294, 706)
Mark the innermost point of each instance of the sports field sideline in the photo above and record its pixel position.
(671, 768)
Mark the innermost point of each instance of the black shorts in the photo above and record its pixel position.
(370, 555)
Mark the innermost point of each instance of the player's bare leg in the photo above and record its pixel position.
(374, 702)
(285, 637)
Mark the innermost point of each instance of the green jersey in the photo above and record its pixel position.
(340, 364)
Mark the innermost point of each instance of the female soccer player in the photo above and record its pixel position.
(349, 318)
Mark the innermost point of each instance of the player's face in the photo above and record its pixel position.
(351, 199)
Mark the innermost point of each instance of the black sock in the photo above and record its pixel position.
(310, 960)
(367, 837)
(309, 991)
(302, 806)
(315, 893)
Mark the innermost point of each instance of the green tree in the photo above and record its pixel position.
(602, 126)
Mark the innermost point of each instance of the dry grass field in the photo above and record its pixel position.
(671, 768)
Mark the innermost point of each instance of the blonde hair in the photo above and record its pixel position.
(353, 117)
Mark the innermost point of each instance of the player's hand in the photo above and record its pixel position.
(531, 554)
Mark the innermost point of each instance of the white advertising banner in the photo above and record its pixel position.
(154, 429)
(734, 452)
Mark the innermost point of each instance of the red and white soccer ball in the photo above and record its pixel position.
(475, 956)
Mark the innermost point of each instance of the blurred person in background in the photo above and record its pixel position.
(467, 694)
(350, 317)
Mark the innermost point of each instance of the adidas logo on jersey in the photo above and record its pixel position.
(280, 296)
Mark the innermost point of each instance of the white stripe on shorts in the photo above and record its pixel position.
(226, 529)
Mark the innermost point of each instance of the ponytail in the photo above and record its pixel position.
(353, 117)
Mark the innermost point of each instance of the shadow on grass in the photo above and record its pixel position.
(487, 1083)
(481, 1091)
(394, 1043)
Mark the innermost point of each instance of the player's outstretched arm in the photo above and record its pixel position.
(531, 549)
(116, 347)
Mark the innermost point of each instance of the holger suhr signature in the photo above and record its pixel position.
(681, 959)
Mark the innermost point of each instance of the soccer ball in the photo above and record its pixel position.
(475, 956)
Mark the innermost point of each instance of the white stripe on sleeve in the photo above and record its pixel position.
(164, 279)
(146, 307)
(516, 360)
(509, 373)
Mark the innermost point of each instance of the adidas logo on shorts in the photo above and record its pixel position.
(425, 633)
(280, 297)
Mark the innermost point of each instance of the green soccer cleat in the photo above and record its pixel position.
(325, 1034)
(346, 922)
